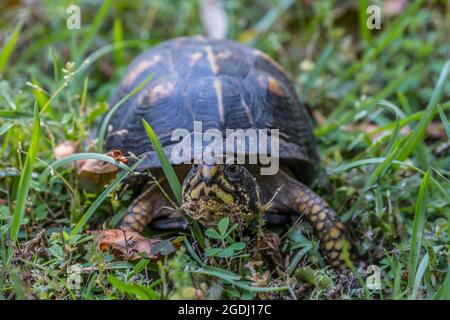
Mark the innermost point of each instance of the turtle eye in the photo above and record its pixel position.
(233, 170)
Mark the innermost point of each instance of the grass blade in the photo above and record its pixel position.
(234, 280)
(297, 258)
(4, 128)
(444, 121)
(396, 294)
(25, 178)
(118, 38)
(374, 176)
(135, 289)
(418, 228)
(7, 50)
(80, 156)
(14, 115)
(443, 292)
(364, 31)
(367, 105)
(266, 22)
(93, 29)
(105, 122)
(419, 275)
(174, 183)
(364, 162)
(430, 110)
(169, 172)
(403, 122)
(88, 214)
(318, 68)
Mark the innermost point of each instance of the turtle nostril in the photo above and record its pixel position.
(207, 180)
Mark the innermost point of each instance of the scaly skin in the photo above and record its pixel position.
(330, 230)
(151, 204)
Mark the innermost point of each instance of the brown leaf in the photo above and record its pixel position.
(118, 156)
(95, 174)
(127, 244)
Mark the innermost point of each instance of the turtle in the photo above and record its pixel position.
(224, 85)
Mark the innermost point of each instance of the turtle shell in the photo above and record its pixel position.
(221, 83)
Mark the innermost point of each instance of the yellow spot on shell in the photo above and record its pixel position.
(319, 226)
(160, 91)
(338, 245)
(269, 59)
(194, 58)
(275, 88)
(212, 59)
(141, 67)
(219, 93)
(223, 55)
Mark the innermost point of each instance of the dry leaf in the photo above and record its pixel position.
(127, 244)
(95, 174)
(118, 156)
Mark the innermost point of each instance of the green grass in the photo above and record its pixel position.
(385, 98)
(25, 178)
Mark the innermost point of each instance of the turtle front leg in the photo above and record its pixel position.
(330, 230)
(148, 206)
(288, 195)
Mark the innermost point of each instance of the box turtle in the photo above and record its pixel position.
(225, 85)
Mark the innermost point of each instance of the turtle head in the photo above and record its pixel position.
(213, 191)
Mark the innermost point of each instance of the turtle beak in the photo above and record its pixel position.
(208, 172)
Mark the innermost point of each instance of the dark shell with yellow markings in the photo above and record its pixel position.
(222, 83)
